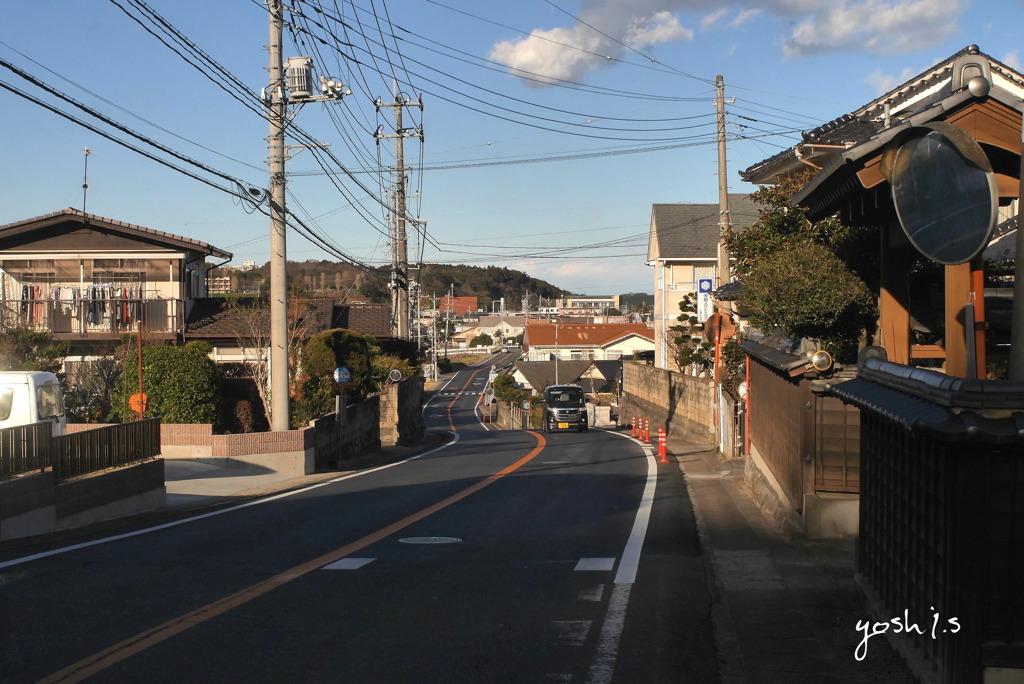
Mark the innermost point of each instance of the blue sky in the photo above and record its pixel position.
(550, 127)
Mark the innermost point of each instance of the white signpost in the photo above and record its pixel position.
(705, 307)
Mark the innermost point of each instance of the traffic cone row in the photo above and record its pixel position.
(640, 428)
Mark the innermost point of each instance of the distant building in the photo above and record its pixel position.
(683, 248)
(544, 341)
(581, 305)
(458, 306)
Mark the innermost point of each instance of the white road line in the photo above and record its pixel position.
(607, 651)
(595, 564)
(348, 564)
(631, 554)
(255, 502)
(603, 666)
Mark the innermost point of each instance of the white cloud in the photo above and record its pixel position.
(883, 82)
(1012, 59)
(556, 54)
(871, 26)
(661, 27)
(562, 53)
(710, 20)
(874, 26)
(745, 16)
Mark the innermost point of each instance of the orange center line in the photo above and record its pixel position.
(134, 645)
(451, 421)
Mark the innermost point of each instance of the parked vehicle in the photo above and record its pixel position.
(565, 408)
(28, 397)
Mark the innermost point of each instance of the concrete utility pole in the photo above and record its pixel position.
(399, 285)
(279, 419)
(297, 87)
(724, 223)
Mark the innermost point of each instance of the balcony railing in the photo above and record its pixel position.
(92, 316)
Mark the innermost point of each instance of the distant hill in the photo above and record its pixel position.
(488, 284)
(348, 283)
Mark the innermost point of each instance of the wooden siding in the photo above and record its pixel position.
(777, 405)
(836, 446)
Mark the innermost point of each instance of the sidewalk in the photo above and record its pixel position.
(192, 483)
(785, 608)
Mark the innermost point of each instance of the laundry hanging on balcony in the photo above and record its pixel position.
(66, 300)
(32, 307)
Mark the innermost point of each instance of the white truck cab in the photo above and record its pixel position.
(28, 397)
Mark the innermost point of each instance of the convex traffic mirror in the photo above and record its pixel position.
(944, 191)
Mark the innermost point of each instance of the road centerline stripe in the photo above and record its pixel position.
(123, 650)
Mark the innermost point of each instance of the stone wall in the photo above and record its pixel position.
(401, 413)
(681, 403)
(359, 433)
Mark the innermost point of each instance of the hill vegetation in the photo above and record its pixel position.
(488, 284)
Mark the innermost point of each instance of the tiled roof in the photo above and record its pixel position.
(868, 121)
(540, 374)
(215, 317)
(948, 408)
(368, 319)
(594, 335)
(77, 216)
(691, 231)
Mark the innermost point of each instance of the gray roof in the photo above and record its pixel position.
(70, 215)
(540, 374)
(691, 231)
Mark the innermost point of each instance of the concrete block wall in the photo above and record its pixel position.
(37, 504)
(681, 403)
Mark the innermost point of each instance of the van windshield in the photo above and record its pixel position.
(50, 403)
(6, 401)
(569, 396)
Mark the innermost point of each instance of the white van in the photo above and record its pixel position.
(31, 397)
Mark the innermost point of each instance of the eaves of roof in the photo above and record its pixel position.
(790, 364)
(853, 129)
(947, 408)
(170, 239)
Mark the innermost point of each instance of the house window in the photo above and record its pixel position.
(703, 272)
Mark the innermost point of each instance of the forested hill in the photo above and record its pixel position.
(488, 284)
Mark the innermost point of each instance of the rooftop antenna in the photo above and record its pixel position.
(85, 179)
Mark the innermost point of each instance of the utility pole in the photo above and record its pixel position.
(296, 88)
(724, 222)
(279, 418)
(399, 285)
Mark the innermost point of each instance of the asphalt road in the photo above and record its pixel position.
(500, 557)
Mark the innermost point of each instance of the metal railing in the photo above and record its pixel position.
(106, 447)
(25, 448)
(85, 316)
(32, 447)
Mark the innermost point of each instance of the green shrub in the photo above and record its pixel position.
(180, 384)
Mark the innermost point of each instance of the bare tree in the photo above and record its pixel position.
(253, 333)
